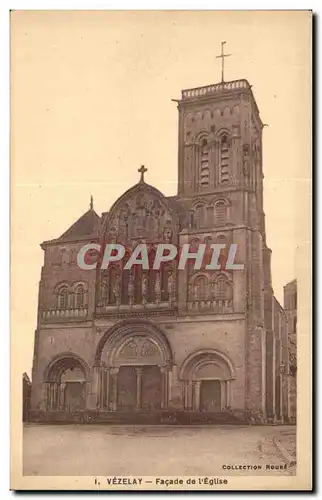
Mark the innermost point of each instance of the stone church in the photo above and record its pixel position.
(191, 343)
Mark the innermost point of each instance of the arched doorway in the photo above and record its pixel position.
(65, 382)
(207, 377)
(132, 371)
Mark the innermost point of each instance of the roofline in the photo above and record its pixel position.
(56, 241)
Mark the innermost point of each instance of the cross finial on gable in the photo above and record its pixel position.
(142, 171)
(222, 57)
(91, 204)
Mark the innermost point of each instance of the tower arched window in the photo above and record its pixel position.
(79, 296)
(220, 212)
(224, 160)
(200, 216)
(62, 300)
(222, 287)
(200, 288)
(204, 164)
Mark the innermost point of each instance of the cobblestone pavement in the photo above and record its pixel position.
(80, 450)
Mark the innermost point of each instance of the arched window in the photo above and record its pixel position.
(62, 301)
(200, 288)
(224, 160)
(222, 288)
(200, 216)
(204, 164)
(79, 296)
(220, 212)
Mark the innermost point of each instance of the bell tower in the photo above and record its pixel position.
(220, 185)
(219, 138)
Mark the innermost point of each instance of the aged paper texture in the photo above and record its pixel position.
(160, 258)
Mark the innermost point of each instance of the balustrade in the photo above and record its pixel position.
(52, 314)
(210, 89)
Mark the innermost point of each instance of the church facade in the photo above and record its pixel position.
(192, 342)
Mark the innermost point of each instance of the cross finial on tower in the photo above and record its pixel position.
(222, 57)
(142, 171)
(91, 203)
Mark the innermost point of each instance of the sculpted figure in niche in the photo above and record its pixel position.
(171, 286)
(158, 287)
(112, 235)
(123, 222)
(130, 350)
(116, 289)
(131, 289)
(167, 235)
(104, 292)
(190, 292)
(144, 289)
(148, 349)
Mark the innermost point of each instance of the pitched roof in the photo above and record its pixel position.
(88, 224)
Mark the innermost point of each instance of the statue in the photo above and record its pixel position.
(144, 289)
(112, 235)
(171, 286)
(116, 289)
(167, 234)
(104, 293)
(131, 290)
(157, 288)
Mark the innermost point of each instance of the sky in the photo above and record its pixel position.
(91, 102)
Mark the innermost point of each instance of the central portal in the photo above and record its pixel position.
(210, 396)
(139, 387)
(132, 371)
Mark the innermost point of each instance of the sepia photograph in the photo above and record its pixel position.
(160, 250)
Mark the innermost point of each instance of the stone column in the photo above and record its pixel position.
(47, 393)
(228, 393)
(165, 386)
(107, 388)
(139, 373)
(185, 394)
(52, 397)
(191, 395)
(113, 378)
(102, 389)
(223, 394)
(197, 395)
(61, 396)
(96, 386)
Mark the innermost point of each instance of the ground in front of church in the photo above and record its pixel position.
(99, 450)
